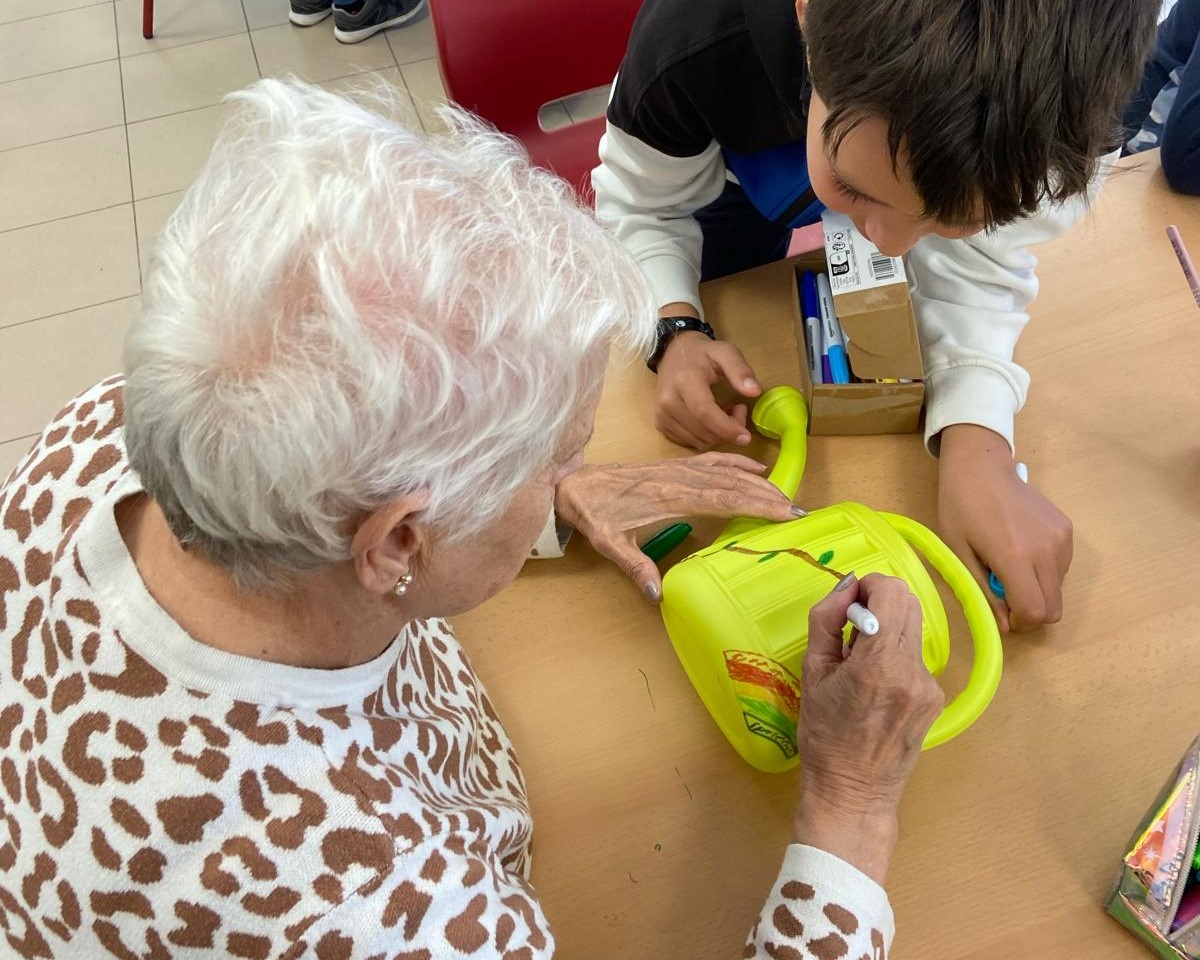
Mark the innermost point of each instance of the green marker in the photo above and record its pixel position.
(666, 540)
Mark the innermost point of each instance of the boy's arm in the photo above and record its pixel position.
(648, 198)
(971, 298)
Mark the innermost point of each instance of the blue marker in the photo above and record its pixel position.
(994, 583)
(812, 326)
(835, 342)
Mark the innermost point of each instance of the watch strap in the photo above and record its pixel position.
(671, 327)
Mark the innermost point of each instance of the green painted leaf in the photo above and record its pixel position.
(768, 556)
(825, 557)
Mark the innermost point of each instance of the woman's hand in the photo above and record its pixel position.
(610, 504)
(865, 710)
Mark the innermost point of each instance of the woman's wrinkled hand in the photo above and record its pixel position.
(865, 710)
(612, 504)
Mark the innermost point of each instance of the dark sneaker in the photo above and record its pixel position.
(305, 13)
(365, 18)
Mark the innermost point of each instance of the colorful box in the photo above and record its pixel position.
(1157, 896)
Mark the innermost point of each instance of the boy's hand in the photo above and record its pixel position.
(686, 411)
(995, 522)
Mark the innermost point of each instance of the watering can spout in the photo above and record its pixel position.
(780, 414)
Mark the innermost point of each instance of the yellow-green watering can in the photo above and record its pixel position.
(737, 611)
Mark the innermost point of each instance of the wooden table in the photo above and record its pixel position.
(654, 840)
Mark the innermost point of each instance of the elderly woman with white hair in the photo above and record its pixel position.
(233, 721)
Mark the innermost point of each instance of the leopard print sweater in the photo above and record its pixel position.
(160, 798)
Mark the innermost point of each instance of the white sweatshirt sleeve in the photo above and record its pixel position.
(971, 298)
(648, 198)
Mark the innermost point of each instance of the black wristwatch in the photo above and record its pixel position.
(671, 327)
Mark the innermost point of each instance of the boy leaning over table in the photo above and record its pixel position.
(958, 133)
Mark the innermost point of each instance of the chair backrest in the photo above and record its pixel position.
(503, 59)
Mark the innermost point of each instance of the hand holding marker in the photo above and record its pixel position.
(994, 583)
(863, 619)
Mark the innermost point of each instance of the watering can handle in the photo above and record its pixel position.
(981, 686)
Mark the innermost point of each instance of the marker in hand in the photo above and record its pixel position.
(994, 583)
(863, 619)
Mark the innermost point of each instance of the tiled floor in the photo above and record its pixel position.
(100, 131)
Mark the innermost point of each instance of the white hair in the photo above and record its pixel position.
(342, 311)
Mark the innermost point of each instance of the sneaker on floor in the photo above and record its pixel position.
(304, 13)
(365, 18)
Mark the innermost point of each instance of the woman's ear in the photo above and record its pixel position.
(387, 542)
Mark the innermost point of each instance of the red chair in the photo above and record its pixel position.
(503, 59)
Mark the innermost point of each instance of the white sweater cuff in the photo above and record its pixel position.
(822, 906)
(969, 393)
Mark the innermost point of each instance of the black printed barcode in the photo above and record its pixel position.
(882, 268)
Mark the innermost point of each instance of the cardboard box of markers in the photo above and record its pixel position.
(882, 388)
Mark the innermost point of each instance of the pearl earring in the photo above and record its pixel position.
(401, 587)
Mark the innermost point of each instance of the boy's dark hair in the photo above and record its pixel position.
(998, 104)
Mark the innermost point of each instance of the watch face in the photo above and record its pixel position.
(671, 327)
